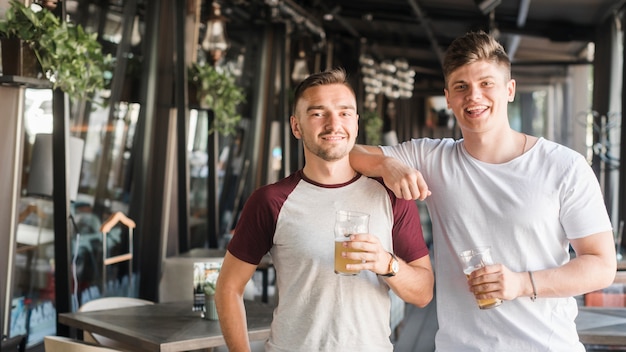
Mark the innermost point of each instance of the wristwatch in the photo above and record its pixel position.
(394, 266)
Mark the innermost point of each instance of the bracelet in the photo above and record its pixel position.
(532, 282)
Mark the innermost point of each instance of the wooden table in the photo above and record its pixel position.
(166, 327)
(602, 326)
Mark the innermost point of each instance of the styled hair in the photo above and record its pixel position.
(334, 76)
(473, 47)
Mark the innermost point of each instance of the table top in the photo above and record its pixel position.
(166, 327)
(602, 326)
(266, 261)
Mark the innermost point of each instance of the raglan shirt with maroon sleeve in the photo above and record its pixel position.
(317, 309)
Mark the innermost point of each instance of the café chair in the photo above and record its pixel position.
(109, 303)
(176, 283)
(66, 344)
(13, 344)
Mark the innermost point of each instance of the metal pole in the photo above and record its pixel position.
(60, 135)
(180, 84)
(213, 226)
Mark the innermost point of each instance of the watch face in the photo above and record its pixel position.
(395, 266)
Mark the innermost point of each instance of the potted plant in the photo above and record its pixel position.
(70, 58)
(217, 90)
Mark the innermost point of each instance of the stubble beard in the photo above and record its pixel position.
(328, 154)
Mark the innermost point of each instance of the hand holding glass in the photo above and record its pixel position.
(477, 258)
(348, 223)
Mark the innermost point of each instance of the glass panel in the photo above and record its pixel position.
(107, 146)
(33, 302)
(198, 176)
(33, 291)
(229, 159)
(528, 113)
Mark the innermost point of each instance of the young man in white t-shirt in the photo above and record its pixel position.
(526, 197)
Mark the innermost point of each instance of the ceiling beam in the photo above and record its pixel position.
(558, 31)
(427, 27)
(301, 17)
(613, 8)
(345, 24)
(514, 40)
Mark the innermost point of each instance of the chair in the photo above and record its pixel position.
(176, 282)
(109, 303)
(13, 344)
(66, 344)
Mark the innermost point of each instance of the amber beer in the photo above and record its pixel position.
(485, 303)
(477, 258)
(340, 262)
(348, 223)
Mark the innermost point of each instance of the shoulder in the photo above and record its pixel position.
(396, 203)
(557, 153)
(272, 196)
(283, 186)
(559, 163)
(255, 228)
(548, 146)
(422, 146)
(420, 142)
(424, 154)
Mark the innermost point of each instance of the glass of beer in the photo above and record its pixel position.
(477, 258)
(348, 223)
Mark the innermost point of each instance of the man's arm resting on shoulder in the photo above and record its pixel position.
(414, 281)
(231, 283)
(404, 181)
(367, 159)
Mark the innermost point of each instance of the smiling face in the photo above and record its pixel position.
(478, 93)
(326, 121)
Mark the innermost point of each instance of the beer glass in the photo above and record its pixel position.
(348, 223)
(477, 258)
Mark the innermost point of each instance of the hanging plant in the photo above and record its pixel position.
(71, 58)
(373, 127)
(217, 90)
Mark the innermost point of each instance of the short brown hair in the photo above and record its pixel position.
(334, 76)
(473, 47)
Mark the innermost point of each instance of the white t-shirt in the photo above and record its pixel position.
(526, 209)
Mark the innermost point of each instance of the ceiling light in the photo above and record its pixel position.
(300, 68)
(486, 6)
(215, 42)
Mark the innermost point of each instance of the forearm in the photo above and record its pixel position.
(368, 160)
(593, 268)
(581, 275)
(414, 283)
(232, 315)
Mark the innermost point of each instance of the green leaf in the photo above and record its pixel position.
(72, 57)
(218, 91)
